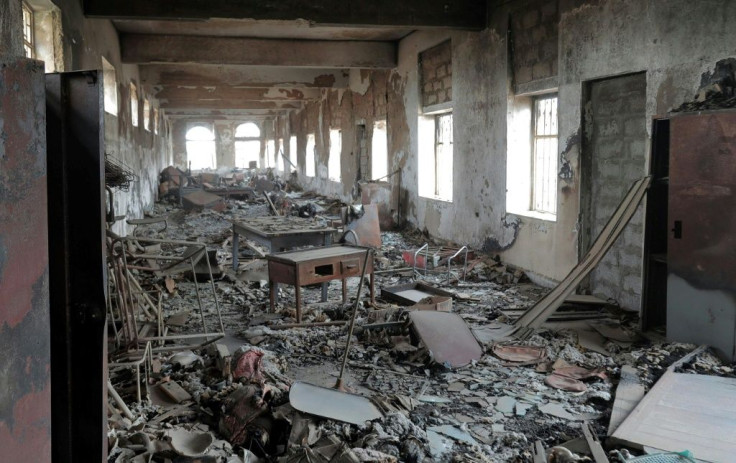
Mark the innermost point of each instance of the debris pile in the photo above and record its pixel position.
(205, 371)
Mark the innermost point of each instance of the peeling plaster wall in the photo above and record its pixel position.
(674, 42)
(85, 42)
(372, 96)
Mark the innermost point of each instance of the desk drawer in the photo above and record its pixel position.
(350, 267)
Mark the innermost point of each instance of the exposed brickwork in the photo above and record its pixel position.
(435, 68)
(534, 40)
(618, 147)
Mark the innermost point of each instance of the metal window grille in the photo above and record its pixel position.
(544, 165)
(443, 156)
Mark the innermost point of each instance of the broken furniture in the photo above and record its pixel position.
(690, 276)
(131, 299)
(413, 293)
(317, 265)
(280, 233)
(434, 258)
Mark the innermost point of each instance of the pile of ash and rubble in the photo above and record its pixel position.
(201, 370)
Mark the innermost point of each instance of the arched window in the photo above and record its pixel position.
(201, 151)
(248, 130)
(247, 145)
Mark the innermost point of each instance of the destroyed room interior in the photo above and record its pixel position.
(350, 231)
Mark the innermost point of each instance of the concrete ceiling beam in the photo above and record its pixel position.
(462, 14)
(225, 114)
(144, 48)
(154, 75)
(207, 93)
(214, 104)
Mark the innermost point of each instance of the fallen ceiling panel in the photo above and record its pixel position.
(447, 337)
(333, 404)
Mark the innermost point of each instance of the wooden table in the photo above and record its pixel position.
(280, 233)
(318, 265)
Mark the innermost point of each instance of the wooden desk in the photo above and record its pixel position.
(280, 233)
(318, 265)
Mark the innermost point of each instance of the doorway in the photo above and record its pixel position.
(614, 156)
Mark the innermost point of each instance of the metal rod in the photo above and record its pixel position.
(306, 325)
(465, 265)
(416, 253)
(368, 254)
(119, 400)
(214, 291)
(196, 288)
(270, 203)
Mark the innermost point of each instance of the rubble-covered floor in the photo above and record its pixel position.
(236, 403)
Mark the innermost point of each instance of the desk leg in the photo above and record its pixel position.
(273, 290)
(324, 291)
(344, 291)
(373, 288)
(298, 292)
(236, 239)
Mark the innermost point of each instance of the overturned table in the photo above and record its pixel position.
(317, 265)
(280, 233)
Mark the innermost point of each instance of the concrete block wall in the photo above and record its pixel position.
(534, 35)
(435, 68)
(617, 136)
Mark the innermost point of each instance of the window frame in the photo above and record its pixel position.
(536, 202)
(380, 126)
(245, 140)
(29, 42)
(134, 105)
(211, 142)
(436, 175)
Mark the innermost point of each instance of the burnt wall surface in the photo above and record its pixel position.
(534, 36)
(11, 29)
(673, 43)
(25, 389)
(435, 70)
(572, 42)
(84, 43)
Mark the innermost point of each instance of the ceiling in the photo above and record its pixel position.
(263, 58)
